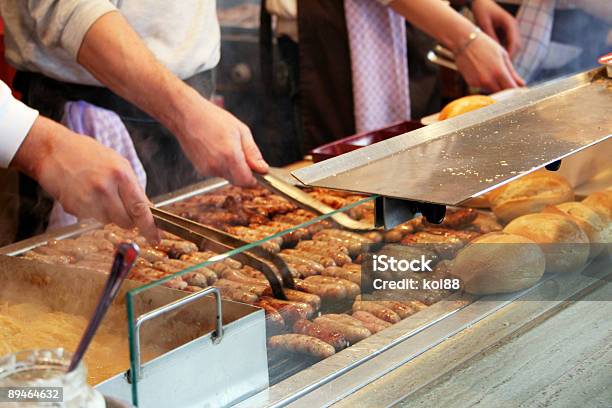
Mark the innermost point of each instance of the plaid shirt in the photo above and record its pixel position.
(535, 19)
(106, 127)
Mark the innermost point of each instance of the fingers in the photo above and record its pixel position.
(253, 156)
(486, 25)
(513, 35)
(136, 205)
(517, 78)
(240, 173)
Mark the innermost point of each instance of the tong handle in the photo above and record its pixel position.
(193, 231)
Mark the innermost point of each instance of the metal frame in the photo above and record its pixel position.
(217, 335)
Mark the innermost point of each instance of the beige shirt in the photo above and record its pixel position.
(45, 35)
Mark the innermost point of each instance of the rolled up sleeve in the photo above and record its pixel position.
(64, 23)
(16, 120)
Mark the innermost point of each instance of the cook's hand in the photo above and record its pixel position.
(218, 144)
(87, 178)
(485, 64)
(497, 23)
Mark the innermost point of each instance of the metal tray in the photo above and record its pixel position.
(358, 141)
(210, 331)
(451, 161)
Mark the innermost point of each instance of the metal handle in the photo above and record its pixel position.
(216, 336)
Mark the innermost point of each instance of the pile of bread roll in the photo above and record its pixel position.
(546, 231)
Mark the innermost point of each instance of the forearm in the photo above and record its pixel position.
(38, 144)
(114, 53)
(437, 19)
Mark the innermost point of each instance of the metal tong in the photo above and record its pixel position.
(124, 260)
(304, 200)
(221, 242)
(442, 56)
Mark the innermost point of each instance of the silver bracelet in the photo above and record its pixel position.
(473, 36)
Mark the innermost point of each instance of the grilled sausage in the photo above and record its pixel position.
(300, 343)
(352, 289)
(175, 248)
(274, 320)
(242, 286)
(352, 333)
(401, 309)
(323, 260)
(373, 323)
(233, 293)
(292, 311)
(297, 296)
(152, 255)
(315, 267)
(238, 276)
(354, 247)
(343, 273)
(176, 283)
(377, 310)
(337, 252)
(331, 337)
(324, 291)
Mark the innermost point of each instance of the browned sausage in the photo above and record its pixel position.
(343, 273)
(324, 291)
(241, 286)
(238, 296)
(238, 276)
(373, 323)
(401, 309)
(377, 310)
(175, 248)
(322, 260)
(291, 311)
(300, 343)
(297, 296)
(274, 320)
(352, 333)
(352, 289)
(331, 337)
(316, 267)
(152, 255)
(318, 246)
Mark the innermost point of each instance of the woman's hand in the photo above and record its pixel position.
(486, 65)
(498, 24)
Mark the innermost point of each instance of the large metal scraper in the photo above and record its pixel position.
(463, 157)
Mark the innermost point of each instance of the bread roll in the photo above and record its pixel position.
(465, 104)
(564, 243)
(601, 203)
(529, 194)
(587, 219)
(499, 263)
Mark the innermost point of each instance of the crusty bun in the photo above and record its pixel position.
(586, 218)
(565, 244)
(477, 202)
(529, 194)
(499, 263)
(465, 104)
(601, 203)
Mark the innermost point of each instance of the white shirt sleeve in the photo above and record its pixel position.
(16, 119)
